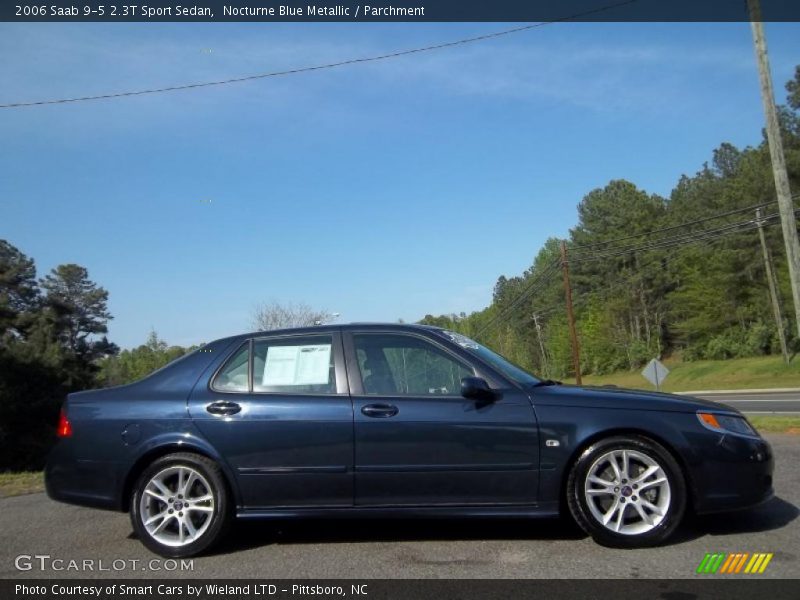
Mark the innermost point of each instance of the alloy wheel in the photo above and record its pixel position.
(177, 506)
(627, 491)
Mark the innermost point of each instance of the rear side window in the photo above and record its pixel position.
(234, 375)
(295, 365)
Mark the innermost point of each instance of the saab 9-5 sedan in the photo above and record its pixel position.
(393, 421)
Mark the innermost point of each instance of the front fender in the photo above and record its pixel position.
(571, 429)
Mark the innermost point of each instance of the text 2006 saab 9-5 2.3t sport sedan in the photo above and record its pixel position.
(393, 421)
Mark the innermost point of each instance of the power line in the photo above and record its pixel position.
(705, 236)
(694, 237)
(671, 228)
(541, 280)
(603, 291)
(676, 241)
(342, 63)
(537, 284)
(737, 227)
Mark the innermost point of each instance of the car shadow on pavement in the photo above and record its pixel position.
(251, 534)
(773, 514)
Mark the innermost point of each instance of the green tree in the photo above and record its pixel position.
(793, 87)
(46, 351)
(18, 289)
(131, 365)
(80, 307)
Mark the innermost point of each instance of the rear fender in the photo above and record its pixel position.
(170, 442)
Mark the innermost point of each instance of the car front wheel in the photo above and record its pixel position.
(627, 492)
(180, 505)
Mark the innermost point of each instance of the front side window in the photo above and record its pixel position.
(294, 365)
(406, 366)
(502, 364)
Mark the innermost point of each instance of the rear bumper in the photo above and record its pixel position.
(736, 473)
(82, 482)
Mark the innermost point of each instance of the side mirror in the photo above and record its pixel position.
(477, 389)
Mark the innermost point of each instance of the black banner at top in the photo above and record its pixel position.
(394, 10)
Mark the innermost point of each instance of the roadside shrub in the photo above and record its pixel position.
(759, 339)
(693, 352)
(639, 354)
(740, 343)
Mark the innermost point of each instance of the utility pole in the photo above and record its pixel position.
(541, 344)
(773, 288)
(573, 335)
(785, 204)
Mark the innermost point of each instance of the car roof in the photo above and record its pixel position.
(335, 327)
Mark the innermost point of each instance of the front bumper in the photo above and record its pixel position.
(735, 473)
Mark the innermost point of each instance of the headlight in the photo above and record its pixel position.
(726, 423)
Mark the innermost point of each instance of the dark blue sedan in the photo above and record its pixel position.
(393, 421)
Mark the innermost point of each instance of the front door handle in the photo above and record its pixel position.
(223, 408)
(379, 410)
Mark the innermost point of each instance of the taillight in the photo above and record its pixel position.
(64, 426)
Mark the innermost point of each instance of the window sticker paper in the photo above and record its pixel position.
(297, 365)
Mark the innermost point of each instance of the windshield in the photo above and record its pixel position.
(503, 365)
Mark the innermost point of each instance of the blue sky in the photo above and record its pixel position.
(379, 191)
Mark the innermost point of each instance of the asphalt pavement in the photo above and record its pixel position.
(757, 401)
(34, 525)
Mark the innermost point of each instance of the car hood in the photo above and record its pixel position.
(614, 397)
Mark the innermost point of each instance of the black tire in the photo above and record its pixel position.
(674, 496)
(220, 517)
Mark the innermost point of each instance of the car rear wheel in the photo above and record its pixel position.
(180, 505)
(627, 491)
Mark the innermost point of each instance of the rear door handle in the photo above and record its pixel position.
(223, 408)
(379, 410)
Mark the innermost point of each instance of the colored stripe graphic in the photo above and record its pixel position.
(766, 562)
(711, 562)
(724, 563)
(729, 562)
(718, 562)
(757, 564)
(741, 562)
(703, 563)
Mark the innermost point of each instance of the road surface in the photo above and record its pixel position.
(758, 402)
